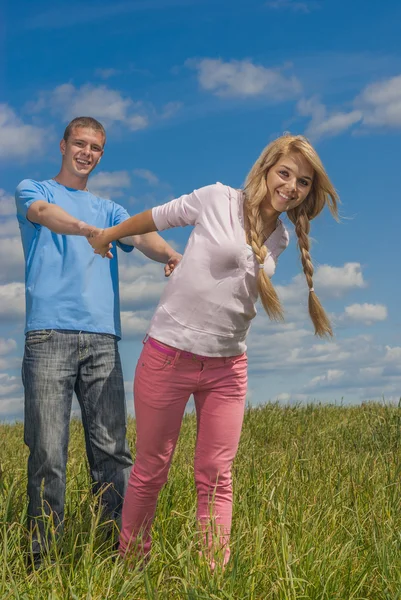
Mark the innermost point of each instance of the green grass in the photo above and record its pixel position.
(317, 515)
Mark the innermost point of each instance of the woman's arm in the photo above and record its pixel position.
(136, 225)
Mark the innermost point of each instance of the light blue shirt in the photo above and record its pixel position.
(67, 285)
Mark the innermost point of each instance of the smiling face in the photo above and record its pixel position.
(288, 182)
(81, 152)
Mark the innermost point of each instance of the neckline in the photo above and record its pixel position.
(279, 224)
(70, 189)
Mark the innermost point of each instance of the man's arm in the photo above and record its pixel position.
(156, 248)
(60, 221)
(57, 219)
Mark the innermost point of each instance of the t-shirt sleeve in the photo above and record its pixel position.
(28, 192)
(120, 215)
(182, 211)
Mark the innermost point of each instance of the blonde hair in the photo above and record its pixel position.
(321, 193)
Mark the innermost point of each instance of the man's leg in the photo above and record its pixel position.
(48, 373)
(100, 392)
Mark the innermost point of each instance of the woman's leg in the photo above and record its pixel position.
(160, 396)
(220, 405)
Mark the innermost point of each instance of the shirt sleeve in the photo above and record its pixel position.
(28, 192)
(182, 211)
(120, 215)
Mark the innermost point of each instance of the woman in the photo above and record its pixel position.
(196, 340)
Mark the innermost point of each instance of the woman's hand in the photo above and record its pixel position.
(96, 238)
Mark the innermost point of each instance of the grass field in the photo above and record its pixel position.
(317, 515)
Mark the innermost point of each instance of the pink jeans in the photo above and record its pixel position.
(163, 384)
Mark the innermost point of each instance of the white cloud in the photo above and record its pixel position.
(17, 139)
(9, 384)
(11, 408)
(365, 313)
(380, 103)
(12, 301)
(7, 346)
(150, 177)
(101, 102)
(337, 281)
(294, 5)
(107, 73)
(7, 204)
(243, 79)
(323, 124)
(13, 268)
(331, 282)
(134, 324)
(109, 184)
(9, 228)
(393, 355)
(170, 109)
(141, 284)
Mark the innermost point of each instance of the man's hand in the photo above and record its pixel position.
(95, 237)
(172, 263)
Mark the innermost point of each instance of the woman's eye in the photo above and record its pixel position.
(303, 182)
(285, 173)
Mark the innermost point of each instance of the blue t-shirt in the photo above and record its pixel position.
(67, 285)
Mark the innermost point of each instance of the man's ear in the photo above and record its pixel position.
(62, 146)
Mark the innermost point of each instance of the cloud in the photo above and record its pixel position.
(11, 408)
(243, 79)
(150, 177)
(13, 268)
(380, 103)
(76, 15)
(393, 355)
(134, 324)
(141, 284)
(170, 109)
(7, 204)
(12, 301)
(9, 384)
(109, 184)
(365, 313)
(7, 346)
(323, 124)
(329, 282)
(101, 102)
(17, 139)
(294, 5)
(107, 73)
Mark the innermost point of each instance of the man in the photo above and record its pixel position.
(72, 330)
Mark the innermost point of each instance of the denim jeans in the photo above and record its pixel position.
(56, 363)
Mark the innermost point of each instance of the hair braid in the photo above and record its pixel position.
(267, 293)
(316, 311)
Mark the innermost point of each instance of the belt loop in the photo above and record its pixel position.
(177, 356)
(145, 339)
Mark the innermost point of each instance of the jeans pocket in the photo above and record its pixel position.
(154, 360)
(38, 337)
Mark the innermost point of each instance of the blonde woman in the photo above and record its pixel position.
(196, 343)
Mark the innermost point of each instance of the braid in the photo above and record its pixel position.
(316, 311)
(267, 293)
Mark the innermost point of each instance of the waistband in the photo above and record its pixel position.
(172, 352)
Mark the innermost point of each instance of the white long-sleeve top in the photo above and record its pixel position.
(209, 302)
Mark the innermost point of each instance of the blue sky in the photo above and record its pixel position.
(190, 92)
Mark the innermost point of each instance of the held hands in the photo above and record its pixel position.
(172, 263)
(95, 238)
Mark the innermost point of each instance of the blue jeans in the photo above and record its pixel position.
(56, 363)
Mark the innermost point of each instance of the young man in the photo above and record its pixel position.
(72, 330)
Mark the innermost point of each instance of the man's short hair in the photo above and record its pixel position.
(87, 122)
